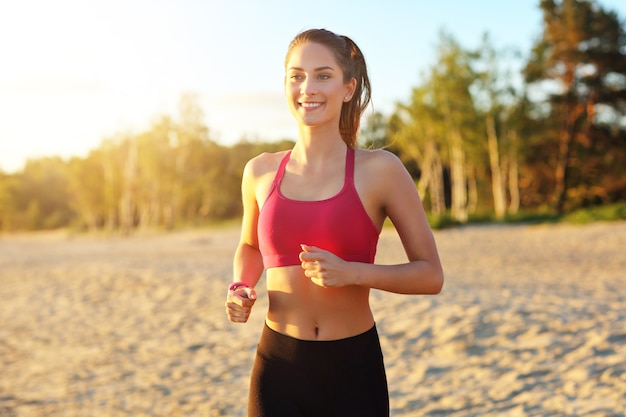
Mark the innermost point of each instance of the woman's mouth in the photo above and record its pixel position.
(310, 106)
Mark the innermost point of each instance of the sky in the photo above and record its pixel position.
(75, 72)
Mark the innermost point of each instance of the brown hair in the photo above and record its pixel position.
(352, 63)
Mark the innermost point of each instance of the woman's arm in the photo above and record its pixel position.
(392, 190)
(401, 202)
(247, 262)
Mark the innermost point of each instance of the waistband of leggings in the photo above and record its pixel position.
(275, 345)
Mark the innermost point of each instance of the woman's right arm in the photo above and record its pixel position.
(248, 262)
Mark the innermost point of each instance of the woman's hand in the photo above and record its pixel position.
(239, 304)
(325, 268)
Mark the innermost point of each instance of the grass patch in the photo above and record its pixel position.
(607, 213)
(441, 221)
(533, 217)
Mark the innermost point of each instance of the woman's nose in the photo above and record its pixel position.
(307, 88)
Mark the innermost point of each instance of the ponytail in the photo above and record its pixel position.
(351, 111)
(352, 62)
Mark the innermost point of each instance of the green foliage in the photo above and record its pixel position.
(36, 198)
(576, 69)
(611, 212)
(170, 176)
(559, 141)
(441, 221)
(537, 216)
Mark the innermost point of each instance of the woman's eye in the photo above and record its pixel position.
(324, 76)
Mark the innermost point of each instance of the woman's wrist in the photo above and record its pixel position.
(358, 270)
(238, 284)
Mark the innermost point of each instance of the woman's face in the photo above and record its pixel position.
(314, 85)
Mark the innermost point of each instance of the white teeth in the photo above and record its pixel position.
(310, 105)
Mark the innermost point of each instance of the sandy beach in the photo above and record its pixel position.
(531, 322)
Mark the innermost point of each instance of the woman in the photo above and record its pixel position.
(312, 217)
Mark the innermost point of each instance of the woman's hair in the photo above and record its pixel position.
(352, 63)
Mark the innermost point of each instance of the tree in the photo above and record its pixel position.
(580, 62)
(85, 190)
(374, 134)
(439, 130)
(416, 132)
(39, 196)
(451, 79)
(7, 202)
(497, 100)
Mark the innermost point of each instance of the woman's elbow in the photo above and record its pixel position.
(438, 286)
(435, 284)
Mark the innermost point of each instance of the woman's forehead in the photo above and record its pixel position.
(311, 55)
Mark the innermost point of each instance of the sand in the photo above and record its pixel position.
(531, 322)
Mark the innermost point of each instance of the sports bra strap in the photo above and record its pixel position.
(281, 168)
(281, 171)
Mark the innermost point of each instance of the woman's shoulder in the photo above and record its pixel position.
(264, 163)
(378, 159)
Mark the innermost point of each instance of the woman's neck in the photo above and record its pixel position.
(316, 145)
(319, 137)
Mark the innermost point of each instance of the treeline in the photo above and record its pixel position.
(480, 140)
(169, 176)
(557, 142)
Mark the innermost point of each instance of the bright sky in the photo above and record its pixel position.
(73, 72)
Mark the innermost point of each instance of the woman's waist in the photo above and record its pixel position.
(302, 309)
(307, 326)
(316, 318)
(274, 345)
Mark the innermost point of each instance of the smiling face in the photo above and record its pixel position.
(315, 86)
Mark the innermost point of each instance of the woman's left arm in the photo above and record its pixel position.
(400, 201)
(394, 192)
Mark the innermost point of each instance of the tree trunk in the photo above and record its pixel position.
(561, 171)
(566, 139)
(426, 168)
(430, 180)
(513, 175)
(110, 194)
(127, 202)
(472, 191)
(497, 185)
(458, 178)
(437, 191)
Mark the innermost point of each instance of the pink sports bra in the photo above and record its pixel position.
(338, 224)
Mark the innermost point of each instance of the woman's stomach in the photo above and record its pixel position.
(301, 309)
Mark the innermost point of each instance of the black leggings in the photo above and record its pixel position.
(302, 378)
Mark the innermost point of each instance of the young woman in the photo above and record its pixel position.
(312, 217)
